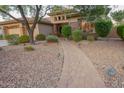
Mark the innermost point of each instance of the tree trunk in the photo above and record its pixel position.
(31, 37)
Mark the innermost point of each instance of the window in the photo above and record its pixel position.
(59, 18)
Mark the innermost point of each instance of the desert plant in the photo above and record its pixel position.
(66, 31)
(40, 37)
(103, 27)
(90, 37)
(29, 48)
(24, 39)
(12, 39)
(120, 31)
(52, 38)
(77, 35)
(1, 37)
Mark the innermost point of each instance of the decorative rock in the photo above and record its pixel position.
(0, 48)
(111, 71)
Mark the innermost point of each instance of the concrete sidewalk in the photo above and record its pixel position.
(78, 71)
(3, 43)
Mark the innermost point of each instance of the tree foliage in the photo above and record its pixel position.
(92, 12)
(37, 12)
(118, 16)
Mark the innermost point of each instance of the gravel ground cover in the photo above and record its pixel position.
(39, 68)
(108, 58)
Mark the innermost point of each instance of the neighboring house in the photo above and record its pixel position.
(50, 25)
(14, 27)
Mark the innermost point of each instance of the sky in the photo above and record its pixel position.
(120, 7)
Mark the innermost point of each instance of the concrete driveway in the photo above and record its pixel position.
(3, 43)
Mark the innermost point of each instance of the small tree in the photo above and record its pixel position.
(118, 16)
(66, 31)
(103, 27)
(37, 12)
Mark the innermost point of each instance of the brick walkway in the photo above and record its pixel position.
(78, 71)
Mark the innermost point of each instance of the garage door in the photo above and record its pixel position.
(14, 31)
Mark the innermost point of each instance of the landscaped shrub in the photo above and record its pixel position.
(1, 37)
(40, 37)
(120, 31)
(12, 39)
(77, 35)
(52, 38)
(90, 37)
(103, 27)
(29, 48)
(24, 39)
(66, 31)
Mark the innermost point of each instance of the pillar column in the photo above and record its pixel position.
(54, 29)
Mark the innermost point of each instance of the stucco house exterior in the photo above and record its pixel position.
(14, 27)
(49, 25)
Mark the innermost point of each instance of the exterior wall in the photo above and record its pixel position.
(74, 25)
(45, 29)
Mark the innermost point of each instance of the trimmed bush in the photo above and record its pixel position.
(103, 27)
(24, 39)
(1, 37)
(90, 38)
(77, 35)
(29, 48)
(120, 31)
(52, 38)
(66, 31)
(12, 39)
(40, 37)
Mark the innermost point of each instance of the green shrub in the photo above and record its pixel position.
(52, 38)
(40, 37)
(24, 39)
(66, 31)
(29, 48)
(120, 31)
(1, 37)
(103, 27)
(90, 37)
(77, 35)
(12, 39)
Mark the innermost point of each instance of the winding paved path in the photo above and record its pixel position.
(78, 71)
